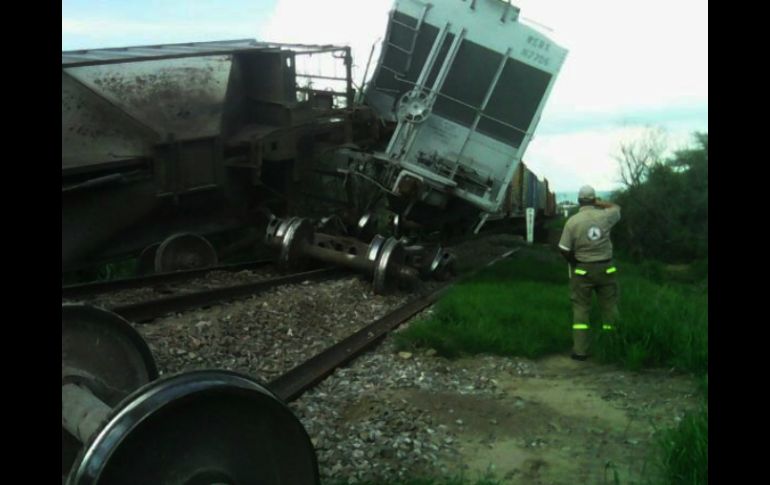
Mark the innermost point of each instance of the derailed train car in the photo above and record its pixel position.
(466, 83)
(164, 144)
(192, 138)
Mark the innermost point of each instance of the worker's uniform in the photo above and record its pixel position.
(587, 233)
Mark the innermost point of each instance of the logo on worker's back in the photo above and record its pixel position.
(594, 233)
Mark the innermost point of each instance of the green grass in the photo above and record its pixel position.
(683, 457)
(660, 326)
(458, 480)
(518, 307)
(682, 453)
(521, 307)
(703, 386)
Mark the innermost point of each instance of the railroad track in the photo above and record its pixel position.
(148, 310)
(113, 400)
(80, 290)
(303, 377)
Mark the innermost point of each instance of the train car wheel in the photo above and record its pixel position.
(374, 247)
(145, 264)
(203, 427)
(298, 234)
(104, 352)
(392, 256)
(184, 251)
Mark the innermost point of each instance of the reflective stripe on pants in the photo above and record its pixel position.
(599, 278)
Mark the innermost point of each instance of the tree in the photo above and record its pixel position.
(665, 202)
(637, 157)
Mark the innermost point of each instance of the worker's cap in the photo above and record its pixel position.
(587, 192)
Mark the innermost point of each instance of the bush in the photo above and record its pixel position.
(665, 217)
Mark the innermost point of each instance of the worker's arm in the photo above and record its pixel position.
(566, 243)
(613, 211)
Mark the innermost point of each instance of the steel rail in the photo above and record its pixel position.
(148, 310)
(296, 381)
(74, 291)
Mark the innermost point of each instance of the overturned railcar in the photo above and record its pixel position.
(193, 138)
(466, 83)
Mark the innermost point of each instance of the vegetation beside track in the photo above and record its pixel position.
(520, 307)
(683, 451)
(456, 480)
(105, 272)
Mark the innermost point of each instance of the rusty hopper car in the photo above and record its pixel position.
(191, 138)
(466, 83)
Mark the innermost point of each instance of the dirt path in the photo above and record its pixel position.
(565, 423)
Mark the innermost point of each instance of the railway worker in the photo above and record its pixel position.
(585, 244)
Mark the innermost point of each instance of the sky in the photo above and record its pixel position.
(631, 64)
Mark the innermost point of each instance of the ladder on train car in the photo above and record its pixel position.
(415, 32)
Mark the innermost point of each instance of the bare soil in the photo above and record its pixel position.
(566, 422)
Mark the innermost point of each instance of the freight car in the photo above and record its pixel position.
(465, 83)
(527, 191)
(165, 144)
